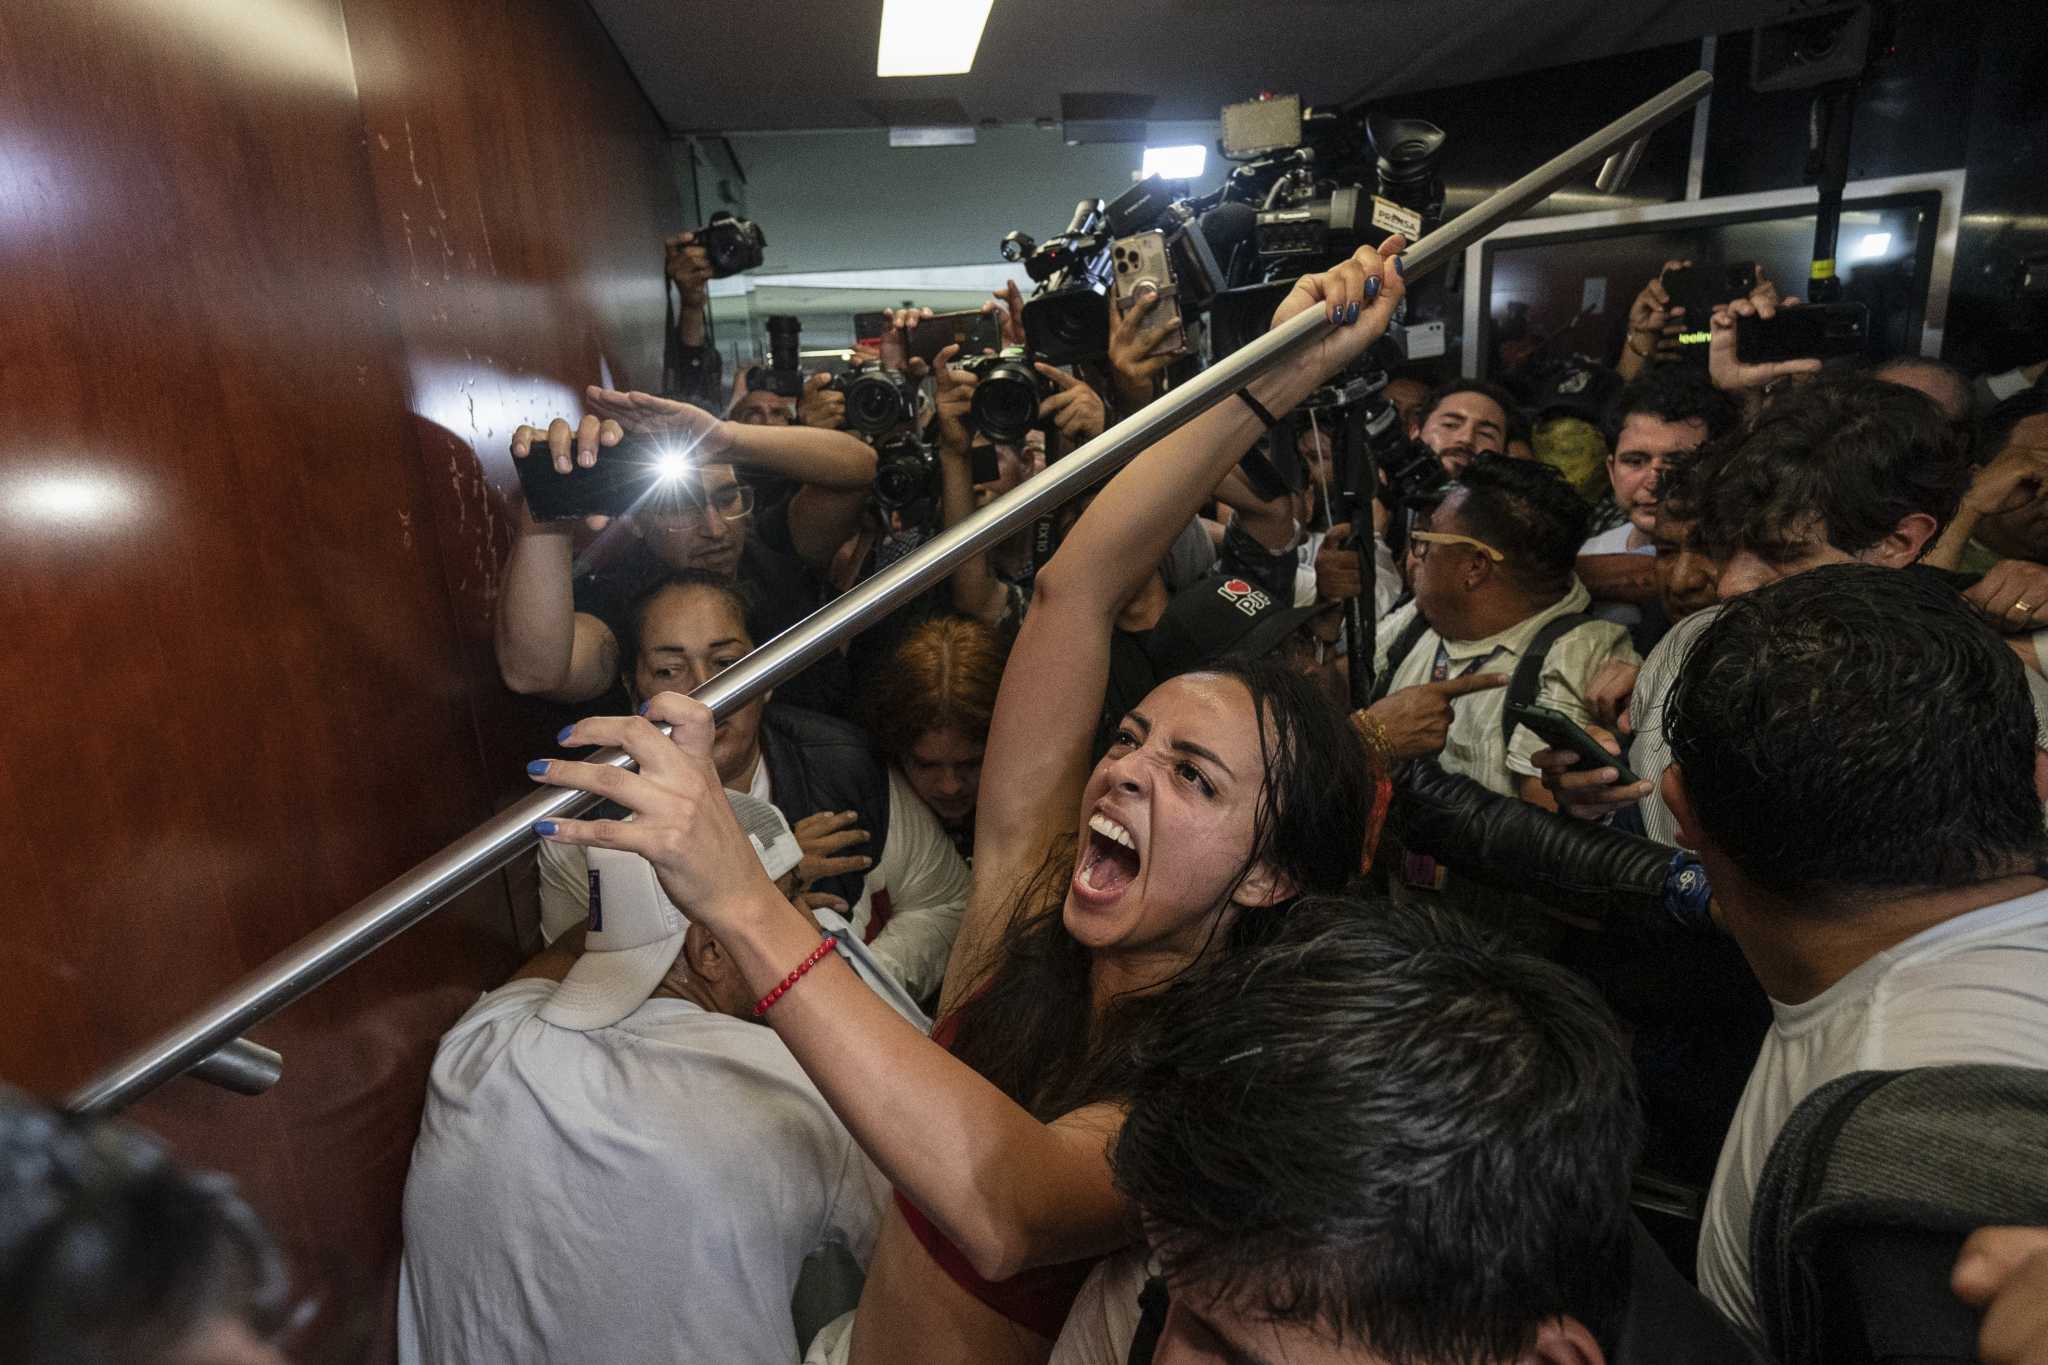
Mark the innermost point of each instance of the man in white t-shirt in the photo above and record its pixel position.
(1854, 761)
(1659, 419)
(617, 1162)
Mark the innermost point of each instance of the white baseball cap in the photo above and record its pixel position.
(634, 931)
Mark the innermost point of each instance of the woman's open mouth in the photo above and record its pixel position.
(1109, 861)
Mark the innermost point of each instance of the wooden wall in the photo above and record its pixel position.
(280, 278)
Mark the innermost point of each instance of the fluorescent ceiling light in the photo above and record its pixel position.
(1873, 244)
(1176, 163)
(930, 37)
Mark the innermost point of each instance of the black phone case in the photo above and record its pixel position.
(1560, 732)
(621, 478)
(1818, 331)
(973, 333)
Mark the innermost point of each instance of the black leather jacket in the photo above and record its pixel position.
(1576, 866)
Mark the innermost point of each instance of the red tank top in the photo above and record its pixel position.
(1037, 1300)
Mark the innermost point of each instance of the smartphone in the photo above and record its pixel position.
(1817, 331)
(1560, 731)
(868, 329)
(973, 331)
(1139, 266)
(624, 476)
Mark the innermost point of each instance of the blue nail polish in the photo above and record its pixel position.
(539, 767)
(563, 738)
(1400, 269)
(1372, 288)
(1351, 314)
(543, 827)
(1336, 312)
(645, 707)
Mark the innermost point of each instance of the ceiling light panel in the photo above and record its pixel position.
(930, 37)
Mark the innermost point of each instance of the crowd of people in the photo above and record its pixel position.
(1077, 967)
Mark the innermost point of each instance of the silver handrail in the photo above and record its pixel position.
(405, 901)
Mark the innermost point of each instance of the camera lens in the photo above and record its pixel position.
(874, 404)
(1005, 403)
(904, 474)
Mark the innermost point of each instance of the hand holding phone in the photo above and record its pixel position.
(1566, 735)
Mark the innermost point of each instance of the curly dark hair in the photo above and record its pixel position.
(1510, 406)
(1527, 511)
(1383, 1124)
(1847, 454)
(1675, 393)
(1857, 727)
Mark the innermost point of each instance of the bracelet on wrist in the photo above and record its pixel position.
(818, 955)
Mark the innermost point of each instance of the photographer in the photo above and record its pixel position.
(558, 630)
(690, 369)
(1654, 323)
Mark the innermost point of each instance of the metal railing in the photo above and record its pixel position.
(208, 1043)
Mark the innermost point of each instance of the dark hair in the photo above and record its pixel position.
(2003, 420)
(111, 1253)
(1526, 510)
(1855, 452)
(1386, 1125)
(1855, 726)
(1509, 406)
(678, 579)
(1675, 393)
(1032, 1031)
(943, 675)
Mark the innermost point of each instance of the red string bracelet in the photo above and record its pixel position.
(818, 955)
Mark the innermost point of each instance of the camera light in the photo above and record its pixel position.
(930, 37)
(669, 466)
(1873, 245)
(1175, 163)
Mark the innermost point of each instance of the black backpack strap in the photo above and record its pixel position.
(1404, 643)
(1528, 675)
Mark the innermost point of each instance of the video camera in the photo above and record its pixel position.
(1365, 425)
(731, 244)
(1142, 241)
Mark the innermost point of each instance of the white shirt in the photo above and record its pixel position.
(1104, 1319)
(1972, 989)
(1386, 575)
(645, 1192)
(1474, 748)
(1614, 541)
(921, 874)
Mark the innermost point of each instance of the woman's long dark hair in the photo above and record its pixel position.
(1031, 1029)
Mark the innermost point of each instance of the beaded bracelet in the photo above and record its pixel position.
(818, 955)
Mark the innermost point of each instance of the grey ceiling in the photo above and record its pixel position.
(733, 67)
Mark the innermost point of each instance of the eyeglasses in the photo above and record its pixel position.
(685, 498)
(1446, 538)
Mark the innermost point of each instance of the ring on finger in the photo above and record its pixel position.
(2023, 608)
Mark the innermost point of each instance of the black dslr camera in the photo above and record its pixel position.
(1005, 404)
(878, 399)
(782, 375)
(906, 473)
(731, 244)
